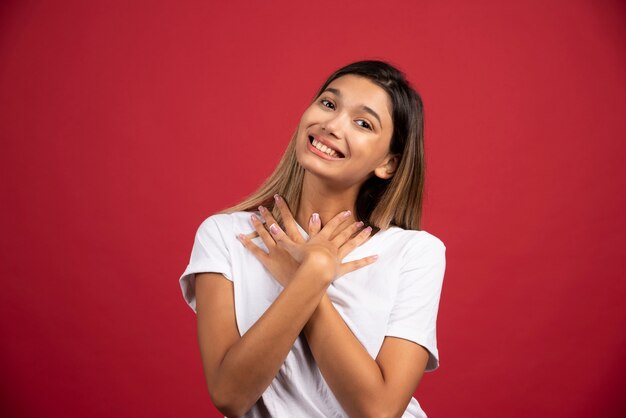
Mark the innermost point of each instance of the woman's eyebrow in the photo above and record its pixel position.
(365, 108)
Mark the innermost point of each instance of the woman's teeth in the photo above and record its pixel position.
(324, 149)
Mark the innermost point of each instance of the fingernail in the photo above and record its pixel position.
(276, 197)
(274, 229)
(316, 218)
(368, 229)
(359, 224)
(375, 257)
(261, 209)
(254, 217)
(240, 237)
(346, 214)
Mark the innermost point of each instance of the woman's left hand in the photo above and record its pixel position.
(282, 262)
(281, 265)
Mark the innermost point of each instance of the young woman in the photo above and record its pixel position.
(318, 295)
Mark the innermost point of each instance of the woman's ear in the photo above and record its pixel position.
(388, 167)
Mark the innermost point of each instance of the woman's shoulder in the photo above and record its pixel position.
(227, 222)
(417, 240)
(225, 218)
(413, 248)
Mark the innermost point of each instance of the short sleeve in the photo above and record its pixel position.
(414, 313)
(208, 255)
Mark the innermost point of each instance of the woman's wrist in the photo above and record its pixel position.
(320, 265)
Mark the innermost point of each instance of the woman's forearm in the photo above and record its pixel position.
(250, 364)
(351, 373)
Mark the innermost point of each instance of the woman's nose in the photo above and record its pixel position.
(334, 125)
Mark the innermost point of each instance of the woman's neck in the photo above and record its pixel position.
(319, 197)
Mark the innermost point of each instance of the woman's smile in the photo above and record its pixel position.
(324, 148)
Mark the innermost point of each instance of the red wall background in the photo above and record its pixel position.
(125, 124)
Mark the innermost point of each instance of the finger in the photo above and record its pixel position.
(281, 238)
(260, 229)
(346, 233)
(351, 266)
(288, 220)
(315, 224)
(337, 220)
(252, 247)
(348, 221)
(351, 244)
(267, 216)
(252, 235)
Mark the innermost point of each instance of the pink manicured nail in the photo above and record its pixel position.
(359, 224)
(316, 218)
(261, 209)
(368, 229)
(273, 229)
(375, 257)
(241, 237)
(346, 214)
(254, 217)
(276, 197)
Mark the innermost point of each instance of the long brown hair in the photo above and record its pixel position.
(380, 202)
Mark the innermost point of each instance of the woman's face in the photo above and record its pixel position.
(344, 135)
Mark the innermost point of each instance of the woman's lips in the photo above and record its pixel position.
(319, 153)
(325, 147)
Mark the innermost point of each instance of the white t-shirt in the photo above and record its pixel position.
(397, 296)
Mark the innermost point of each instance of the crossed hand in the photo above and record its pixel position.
(322, 252)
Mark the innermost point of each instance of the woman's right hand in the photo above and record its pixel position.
(286, 251)
(326, 246)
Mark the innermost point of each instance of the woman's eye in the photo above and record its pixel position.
(364, 124)
(327, 103)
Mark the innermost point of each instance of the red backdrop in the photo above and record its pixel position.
(125, 124)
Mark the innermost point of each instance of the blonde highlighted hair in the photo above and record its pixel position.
(380, 203)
